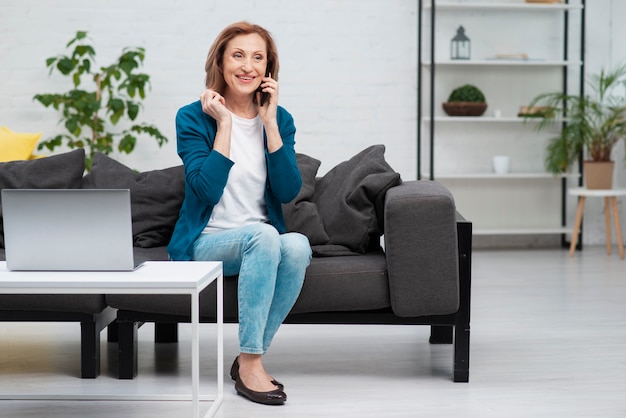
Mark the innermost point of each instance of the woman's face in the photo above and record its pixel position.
(244, 64)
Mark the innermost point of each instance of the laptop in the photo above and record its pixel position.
(67, 229)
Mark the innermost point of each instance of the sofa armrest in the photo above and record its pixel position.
(421, 248)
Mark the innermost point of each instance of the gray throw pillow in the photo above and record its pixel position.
(156, 197)
(347, 198)
(301, 214)
(62, 171)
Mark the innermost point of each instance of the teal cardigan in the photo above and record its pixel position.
(206, 174)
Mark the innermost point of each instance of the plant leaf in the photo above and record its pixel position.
(66, 65)
(44, 99)
(127, 143)
(133, 109)
(51, 144)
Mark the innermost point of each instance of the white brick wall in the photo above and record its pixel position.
(604, 49)
(348, 66)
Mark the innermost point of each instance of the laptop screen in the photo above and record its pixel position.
(67, 229)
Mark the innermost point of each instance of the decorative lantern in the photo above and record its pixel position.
(460, 45)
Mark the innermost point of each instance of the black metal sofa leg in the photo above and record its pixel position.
(90, 329)
(461, 354)
(440, 334)
(127, 349)
(462, 322)
(165, 332)
(89, 349)
(112, 333)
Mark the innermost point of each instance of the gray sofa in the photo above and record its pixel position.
(421, 277)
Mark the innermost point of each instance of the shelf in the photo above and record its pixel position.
(502, 62)
(449, 5)
(493, 176)
(517, 203)
(484, 119)
(523, 231)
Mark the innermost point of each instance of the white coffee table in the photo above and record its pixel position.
(153, 277)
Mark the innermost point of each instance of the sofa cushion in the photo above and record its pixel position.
(331, 250)
(17, 145)
(348, 196)
(331, 284)
(301, 214)
(90, 304)
(142, 254)
(156, 197)
(341, 213)
(180, 305)
(350, 283)
(62, 171)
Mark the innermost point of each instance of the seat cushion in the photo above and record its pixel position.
(180, 305)
(348, 283)
(90, 304)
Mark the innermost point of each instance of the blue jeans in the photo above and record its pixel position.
(271, 268)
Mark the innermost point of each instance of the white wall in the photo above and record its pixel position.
(605, 32)
(348, 67)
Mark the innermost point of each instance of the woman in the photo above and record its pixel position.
(237, 146)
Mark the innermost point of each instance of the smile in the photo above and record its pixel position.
(245, 78)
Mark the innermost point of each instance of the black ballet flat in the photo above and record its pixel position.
(234, 374)
(274, 397)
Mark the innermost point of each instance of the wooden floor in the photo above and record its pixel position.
(548, 339)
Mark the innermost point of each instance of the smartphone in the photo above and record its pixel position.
(264, 96)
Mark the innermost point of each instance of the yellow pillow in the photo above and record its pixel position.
(16, 145)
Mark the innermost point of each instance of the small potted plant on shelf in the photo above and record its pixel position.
(466, 100)
(594, 124)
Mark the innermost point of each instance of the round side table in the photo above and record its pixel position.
(610, 200)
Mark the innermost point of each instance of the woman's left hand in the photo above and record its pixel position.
(267, 112)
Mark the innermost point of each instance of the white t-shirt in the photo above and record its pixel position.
(243, 201)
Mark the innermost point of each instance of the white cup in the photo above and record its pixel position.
(497, 113)
(501, 164)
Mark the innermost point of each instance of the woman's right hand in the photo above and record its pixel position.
(213, 104)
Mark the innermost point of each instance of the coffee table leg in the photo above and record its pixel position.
(195, 352)
(579, 218)
(220, 339)
(220, 348)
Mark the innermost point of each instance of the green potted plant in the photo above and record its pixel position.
(594, 124)
(110, 95)
(466, 100)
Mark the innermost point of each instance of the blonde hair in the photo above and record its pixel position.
(214, 74)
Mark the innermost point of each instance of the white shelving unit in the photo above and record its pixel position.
(508, 176)
(495, 5)
(505, 62)
(484, 119)
(457, 151)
